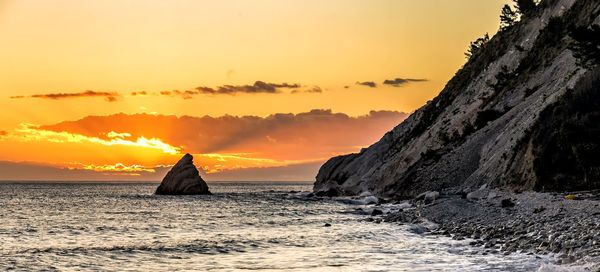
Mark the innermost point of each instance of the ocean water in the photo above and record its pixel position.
(265, 227)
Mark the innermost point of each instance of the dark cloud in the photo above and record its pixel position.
(185, 94)
(398, 82)
(257, 87)
(111, 98)
(139, 93)
(302, 136)
(367, 83)
(108, 96)
(3, 133)
(314, 89)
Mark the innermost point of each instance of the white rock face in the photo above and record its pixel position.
(183, 179)
(444, 146)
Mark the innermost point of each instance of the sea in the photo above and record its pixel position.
(241, 227)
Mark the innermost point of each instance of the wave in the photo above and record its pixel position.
(195, 246)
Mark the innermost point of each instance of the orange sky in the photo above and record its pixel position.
(255, 89)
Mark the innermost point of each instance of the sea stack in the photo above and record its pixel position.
(183, 179)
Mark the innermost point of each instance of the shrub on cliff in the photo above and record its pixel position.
(508, 17)
(477, 45)
(525, 7)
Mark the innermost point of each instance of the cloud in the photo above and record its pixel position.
(30, 171)
(184, 94)
(367, 83)
(108, 96)
(398, 82)
(314, 89)
(3, 133)
(141, 93)
(27, 132)
(280, 146)
(304, 136)
(257, 87)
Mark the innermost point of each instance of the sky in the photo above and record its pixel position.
(255, 90)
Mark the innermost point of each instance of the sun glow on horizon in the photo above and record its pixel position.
(241, 84)
(30, 132)
(209, 163)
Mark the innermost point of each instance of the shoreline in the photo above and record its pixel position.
(567, 227)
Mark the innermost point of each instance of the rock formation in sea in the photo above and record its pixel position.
(522, 114)
(183, 179)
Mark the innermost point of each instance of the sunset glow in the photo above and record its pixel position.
(122, 89)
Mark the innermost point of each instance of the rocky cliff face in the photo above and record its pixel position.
(183, 179)
(523, 113)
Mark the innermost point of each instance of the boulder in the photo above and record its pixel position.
(430, 197)
(482, 193)
(183, 179)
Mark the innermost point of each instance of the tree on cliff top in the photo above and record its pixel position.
(476, 45)
(522, 9)
(508, 17)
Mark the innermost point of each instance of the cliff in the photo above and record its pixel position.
(522, 114)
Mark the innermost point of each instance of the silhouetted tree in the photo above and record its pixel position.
(525, 7)
(508, 17)
(476, 45)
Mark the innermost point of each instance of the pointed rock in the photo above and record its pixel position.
(183, 179)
